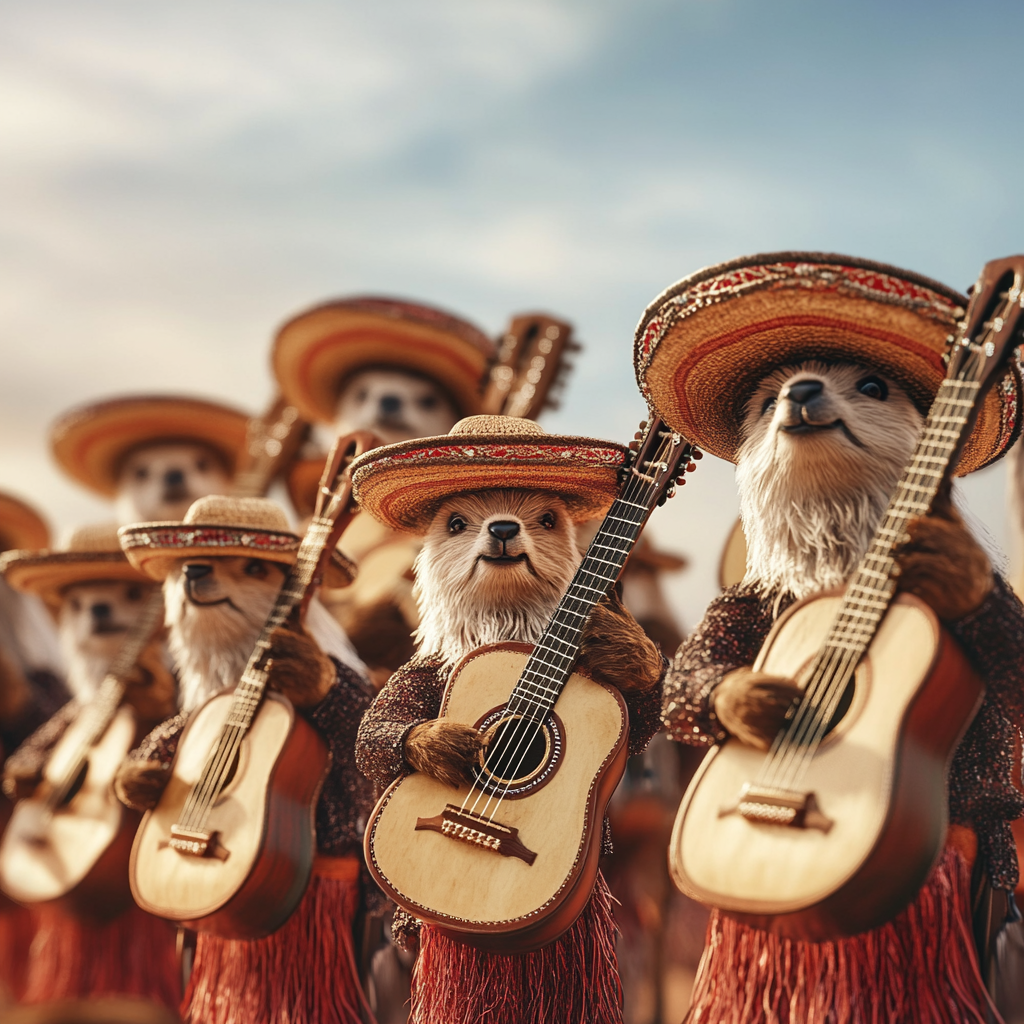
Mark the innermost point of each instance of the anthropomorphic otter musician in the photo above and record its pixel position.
(222, 569)
(497, 500)
(97, 596)
(831, 364)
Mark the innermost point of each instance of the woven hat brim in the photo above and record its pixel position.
(48, 573)
(707, 342)
(21, 527)
(91, 442)
(402, 485)
(315, 351)
(153, 548)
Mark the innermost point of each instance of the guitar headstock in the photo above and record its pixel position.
(334, 494)
(271, 443)
(661, 458)
(994, 323)
(531, 366)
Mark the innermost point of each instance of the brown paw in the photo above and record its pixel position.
(944, 566)
(140, 784)
(298, 668)
(446, 751)
(614, 648)
(752, 706)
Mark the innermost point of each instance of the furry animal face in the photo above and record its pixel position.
(158, 482)
(825, 445)
(216, 609)
(395, 405)
(93, 621)
(493, 567)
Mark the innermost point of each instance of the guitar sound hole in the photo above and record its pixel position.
(76, 785)
(843, 706)
(517, 751)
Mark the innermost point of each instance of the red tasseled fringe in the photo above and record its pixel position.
(575, 980)
(921, 967)
(16, 930)
(133, 955)
(304, 973)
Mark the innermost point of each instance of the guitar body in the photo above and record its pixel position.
(879, 778)
(466, 888)
(78, 856)
(261, 857)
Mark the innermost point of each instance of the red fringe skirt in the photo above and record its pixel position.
(16, 930)
(575, 980)
(304, 973)
(921, 967)
(133, 955)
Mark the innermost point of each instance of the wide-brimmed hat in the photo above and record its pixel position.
(89, 554)
(705, 343)
(403, 484)
(316, 350)
(92, 441)
(21, 526)
(218, 526)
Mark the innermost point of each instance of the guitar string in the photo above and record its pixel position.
(795, 745)
(626, 530)
(837, 663)
(563, 637)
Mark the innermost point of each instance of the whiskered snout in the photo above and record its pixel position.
(504, 540)
(804, 405)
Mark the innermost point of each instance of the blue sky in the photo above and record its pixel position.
(177, 179)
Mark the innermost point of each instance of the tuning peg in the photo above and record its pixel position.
(634, 445)
(691, 467)
(697, 454)
(638, 436)
(643, 424)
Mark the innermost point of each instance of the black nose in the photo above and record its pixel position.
(174, 478)
(390, 404)
(503, 529)
(101, 612)
(196, 570)
(804, 390)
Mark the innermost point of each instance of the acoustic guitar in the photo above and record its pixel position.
(229, 848)
(509, 862)
(69, 841)
(834, 831)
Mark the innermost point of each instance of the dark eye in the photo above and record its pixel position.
(76, 605)
(769, 403)
(548, 520)
(202, 465)
(254, 567)
(141, 473)
(133, 593)
(427, 402)
(456, 524)
(361, 395)
(874, 387)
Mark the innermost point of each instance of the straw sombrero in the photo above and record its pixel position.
(92, 441)
(218, 526)
(705, 343)
(316, 350)
(21, 526)
(401, 485)
(90, 554)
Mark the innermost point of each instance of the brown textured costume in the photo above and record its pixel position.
(982, 797)
(413, 696)
(304, 973)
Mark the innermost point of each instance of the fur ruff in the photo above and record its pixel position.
(574, 980)
(809, 509)
(464, 604)
(304, 973)
(921, 966)
(133, 955)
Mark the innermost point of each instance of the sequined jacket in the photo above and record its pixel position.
(413, 695)
(347, 796)
(982, 790)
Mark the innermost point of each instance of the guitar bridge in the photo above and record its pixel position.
(195, 843)
(468, 827)
(771, 805)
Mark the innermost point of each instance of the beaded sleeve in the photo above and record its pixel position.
(29, 760)
(160, 744)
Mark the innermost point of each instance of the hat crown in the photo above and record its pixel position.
(496, 425)
(244, 513)
(96, 537)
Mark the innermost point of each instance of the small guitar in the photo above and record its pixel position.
(69, 841)
(531, 366)
(835, 830)
(229, 848)
(510, 862)
(271, 443)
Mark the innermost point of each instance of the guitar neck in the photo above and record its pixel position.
(551, 663)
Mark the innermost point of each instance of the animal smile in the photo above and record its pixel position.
(108, 629)
(798, 429)
(506, 559)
